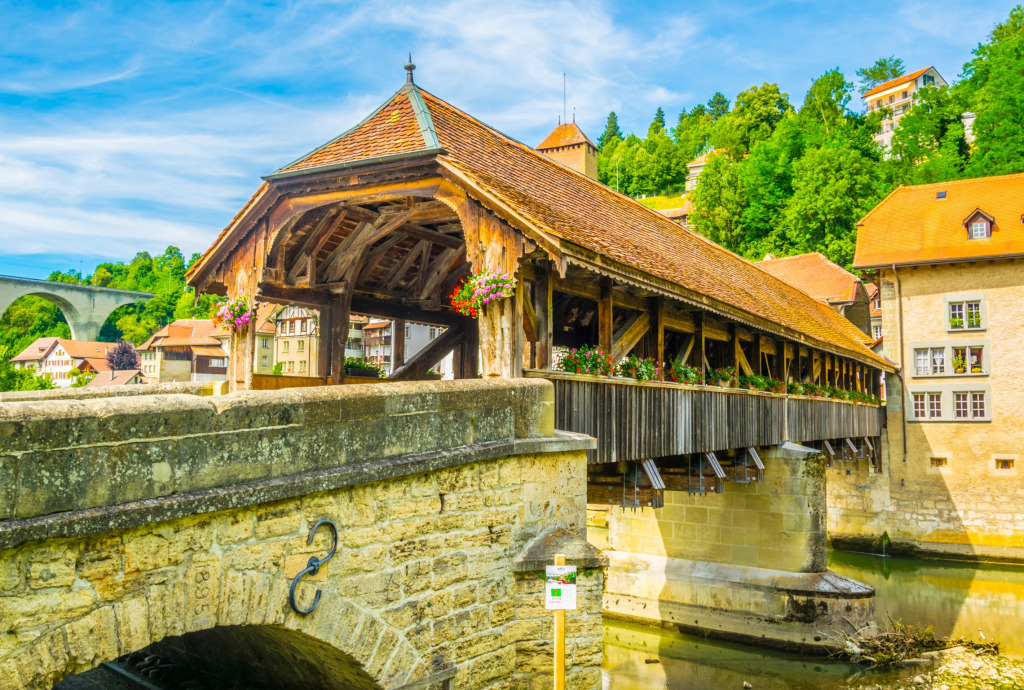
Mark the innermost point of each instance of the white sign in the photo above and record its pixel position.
(560, 589)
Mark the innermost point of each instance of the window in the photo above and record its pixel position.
(266, 342)
(973, 314)
(931, 361)
(979, 230)
(921, 361)
(878, 332)
(960, 400)
(284, 346)
(433, 332)
(975, 361)
(919, 405)
(978, 405)
(939, 462)
(940, 195)
(927, 80)
(302, 326)
(263, 361)
(406, 330)
(966, 314)
(1004, 463)
(302, 366)
(905, 95)
(934, 405)
(301, 346)
(291, 328)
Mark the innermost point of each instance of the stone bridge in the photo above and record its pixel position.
(176, 524)
(85, 307)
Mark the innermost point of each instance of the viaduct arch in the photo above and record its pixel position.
(85, 307)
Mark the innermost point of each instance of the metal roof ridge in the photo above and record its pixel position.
(423, 118)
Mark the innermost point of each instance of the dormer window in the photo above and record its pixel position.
(979, 225)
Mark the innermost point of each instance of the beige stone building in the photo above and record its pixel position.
(950, 264)
(296, 340)
(185, 350)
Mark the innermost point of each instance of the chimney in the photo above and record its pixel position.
(111, 374)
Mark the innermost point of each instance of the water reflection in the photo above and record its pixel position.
(955, 598)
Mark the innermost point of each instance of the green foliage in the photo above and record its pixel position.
(81, 378)
(718, 105)
(882, 71)
(587, 360)
(278, 369)
(929, 144)
(638, 368)
(12, 379)
(611, 131)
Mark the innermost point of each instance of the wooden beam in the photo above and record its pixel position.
(604, 315)
(659, 329)
(684, 353)
(361, 304)
(715, 330)
(376, 254)
(542, 309)
(290, 294)
(756, 355)
(530, 318)
(438, 271)
(402, 267)
(340, 316)
(767, 345)
(397, 344)
(518, 310)
(698, 358)
(323, 366)
(585, 287)
(741, 359)
(630, 334)
(436, 350)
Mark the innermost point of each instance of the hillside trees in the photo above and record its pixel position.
(882, 71)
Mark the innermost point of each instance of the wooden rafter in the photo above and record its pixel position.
(434, 352)
(392, 279)
(630, 334)
(438, 270)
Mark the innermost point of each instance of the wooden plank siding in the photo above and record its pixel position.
(633, 421)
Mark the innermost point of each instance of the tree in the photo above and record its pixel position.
(929, 145)
(657, 125)
(993, 87)
(718, 105)
(754, 117)
(882, 71)
(718, 202)
(825, 106)
(123, 357)
(611, 130)
(833, 187)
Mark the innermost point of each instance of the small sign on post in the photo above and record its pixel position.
(560, 596)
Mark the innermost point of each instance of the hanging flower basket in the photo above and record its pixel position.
(480, 289)
(233, 314)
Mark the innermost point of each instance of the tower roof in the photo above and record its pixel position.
(568, 134)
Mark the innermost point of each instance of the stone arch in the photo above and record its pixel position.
(84, 307)
(69, 310)
(147, 606)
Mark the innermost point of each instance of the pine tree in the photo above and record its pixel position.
(718, 105)
(658, 124)
(611, 130)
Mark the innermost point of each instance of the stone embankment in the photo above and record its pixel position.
(961, 669)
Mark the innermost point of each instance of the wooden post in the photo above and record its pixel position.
(542, 295)
(604, 315)
(397, 344)
(323, 368)
(659, 330)
(560, 639)
(780, 360)
(338, 335)
(735, 354)
(517, 328)
(756, 355)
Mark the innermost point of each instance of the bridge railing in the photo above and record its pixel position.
(635, 421)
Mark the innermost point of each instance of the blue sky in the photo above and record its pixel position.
(128, 127)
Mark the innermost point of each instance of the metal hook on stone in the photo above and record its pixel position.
(313, 567)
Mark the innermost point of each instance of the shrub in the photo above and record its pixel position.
(587, 360)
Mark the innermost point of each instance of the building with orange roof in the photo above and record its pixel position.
(185, 350)
(949, 262)
(57, 358)
(679, 214)
(822, 279)
(125, 377)
(696, 166)
(897, 95)
(568, 145)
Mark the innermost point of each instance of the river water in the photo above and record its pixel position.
(955, 598)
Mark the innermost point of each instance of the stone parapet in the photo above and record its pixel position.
(182, 388)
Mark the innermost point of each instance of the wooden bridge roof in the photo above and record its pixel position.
(592, 224)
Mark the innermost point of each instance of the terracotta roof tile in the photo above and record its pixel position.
(39, 348)
(568, 134)
(390, 130)
(580, 210)
(912, 225)
(119, 378)
(905, 79)
(815, 275)
(184, 332)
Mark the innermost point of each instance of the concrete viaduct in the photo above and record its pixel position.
(177, 524)
(85, 307)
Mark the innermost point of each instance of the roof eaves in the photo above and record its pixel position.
(949, 260)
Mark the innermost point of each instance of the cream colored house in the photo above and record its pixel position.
(949, 259)
(897, 95)
(57, 358)
(185, 350)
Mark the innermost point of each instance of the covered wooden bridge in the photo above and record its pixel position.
(386, 219)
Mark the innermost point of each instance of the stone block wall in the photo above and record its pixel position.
(778, 523)
(423, 574)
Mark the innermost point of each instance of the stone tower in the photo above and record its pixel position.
(568, 145)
